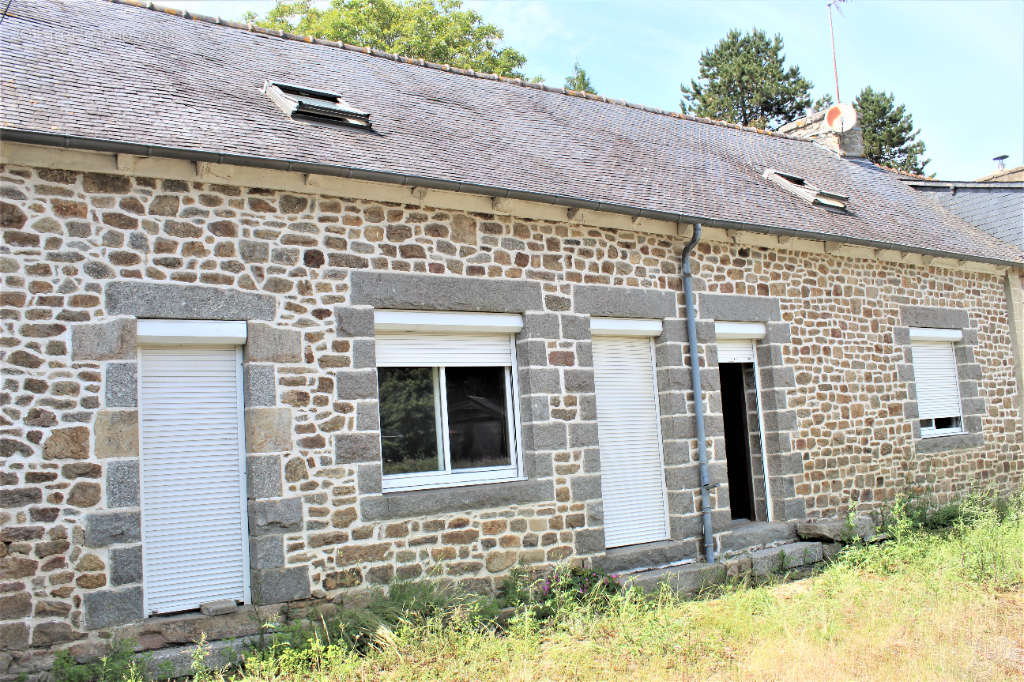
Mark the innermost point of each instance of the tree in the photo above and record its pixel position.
(743, 79)
(579, 80)
(435, 30)
(889, 135)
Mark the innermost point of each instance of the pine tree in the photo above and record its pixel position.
(889, 135)
(579, 80)
(744, 80)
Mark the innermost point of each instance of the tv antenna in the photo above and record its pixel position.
(835, 67)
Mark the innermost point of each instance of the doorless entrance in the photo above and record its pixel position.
(746, 464)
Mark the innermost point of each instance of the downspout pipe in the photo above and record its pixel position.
(698, 396)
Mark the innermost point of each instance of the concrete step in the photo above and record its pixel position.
(690, 579)
(648, 555)
(754, 535)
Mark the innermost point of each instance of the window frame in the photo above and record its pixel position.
(449, 478)
(922, 336)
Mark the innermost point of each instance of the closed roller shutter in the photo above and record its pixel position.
(441, 349)
(193, 529)
(632, 474)
(735, 350)
(938, 393)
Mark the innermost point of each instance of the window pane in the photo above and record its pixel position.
(408, 423)
(477, 417)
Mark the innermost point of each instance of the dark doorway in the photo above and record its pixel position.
(737, 441)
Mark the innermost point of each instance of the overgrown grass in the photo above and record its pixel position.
(933, 603)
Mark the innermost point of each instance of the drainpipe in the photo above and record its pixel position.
(698, 397)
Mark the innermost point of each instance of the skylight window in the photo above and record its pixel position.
(315, 105)
(806, 191)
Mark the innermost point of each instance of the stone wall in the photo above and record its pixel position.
(85, 254)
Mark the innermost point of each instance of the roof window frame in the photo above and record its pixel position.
(810, 193)
(311, 104)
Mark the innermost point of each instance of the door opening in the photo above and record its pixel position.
(736, 415)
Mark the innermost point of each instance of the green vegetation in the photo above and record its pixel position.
(942, 599)
(889, 135)
(744, 79)
(436, 30)
(579, 80)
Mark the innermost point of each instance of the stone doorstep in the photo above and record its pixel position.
(690, 579)
(747, 536)
(643, 557)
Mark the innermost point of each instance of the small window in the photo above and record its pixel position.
(447, 408)
(938, 389)
(315, 105)
(806, 191)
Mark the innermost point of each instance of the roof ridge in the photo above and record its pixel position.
(415, 61)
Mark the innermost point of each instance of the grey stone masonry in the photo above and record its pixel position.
(126, 565)
(941, 318)
(114, 340)
(260, 386)
(278, 585)
(263, 476)
(733, 308)
(432, 292)
(192, 302)
(602, 301)
(106, 608)
(103, 529)
(265, 343)
(123, 483)
(275, 516)
(492, 495)
(122, 384)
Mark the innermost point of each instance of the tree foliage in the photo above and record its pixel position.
(579, 80)
(889, 135)
(435, 30)
(744, 80)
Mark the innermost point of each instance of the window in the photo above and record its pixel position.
(935, 373)
(315, 105)
(447, 392)
(806, 191)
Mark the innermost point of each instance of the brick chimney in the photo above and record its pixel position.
(813, 127)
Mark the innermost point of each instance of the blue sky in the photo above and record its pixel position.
(957, 65)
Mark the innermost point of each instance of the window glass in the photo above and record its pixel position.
(477, 417)
(408, 420)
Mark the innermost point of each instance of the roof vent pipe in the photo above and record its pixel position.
(698, 397)
(1001, 161)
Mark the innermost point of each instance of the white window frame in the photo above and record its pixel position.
(468, 323)
(933, 336)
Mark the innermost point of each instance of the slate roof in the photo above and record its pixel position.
(996, 207)
(129, 75)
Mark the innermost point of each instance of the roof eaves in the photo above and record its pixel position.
(113, 146)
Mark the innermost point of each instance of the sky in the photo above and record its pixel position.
(958, 65)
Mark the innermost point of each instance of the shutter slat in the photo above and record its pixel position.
(632, 475)
(735, 350)
(935, 376)
(192, 524)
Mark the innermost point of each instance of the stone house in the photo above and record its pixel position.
(285, 319)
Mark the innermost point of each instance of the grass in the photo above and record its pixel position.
(931, 604)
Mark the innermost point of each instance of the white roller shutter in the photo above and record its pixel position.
(632, 472)
(935, 375)
(194, 544)
(735, 350)
(443, 349)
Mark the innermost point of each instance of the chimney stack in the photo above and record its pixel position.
(813, 127)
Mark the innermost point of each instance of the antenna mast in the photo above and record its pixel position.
(835, 67)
